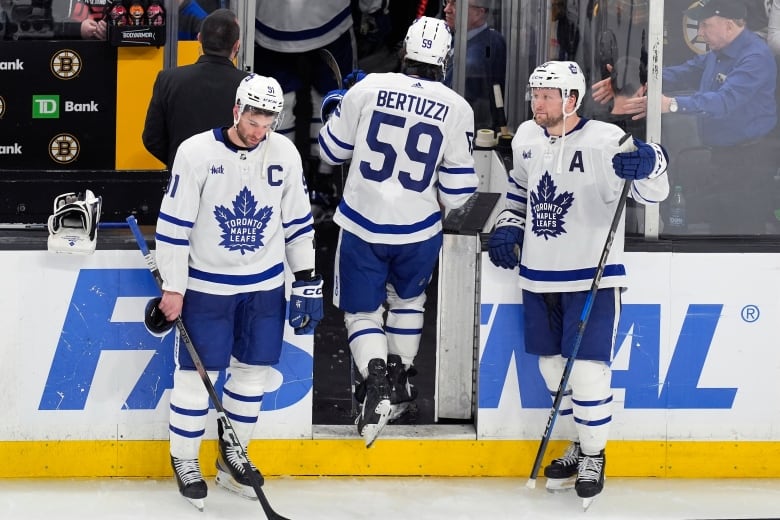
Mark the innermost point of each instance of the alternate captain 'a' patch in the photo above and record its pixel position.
(548, 208)
(243, 226)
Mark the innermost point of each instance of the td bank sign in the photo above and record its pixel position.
(47, 106)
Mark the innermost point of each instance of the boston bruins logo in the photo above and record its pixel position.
(690, 30)
(64, 148)
(66, 64)
(2, 107)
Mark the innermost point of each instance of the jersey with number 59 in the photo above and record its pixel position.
(409, 141)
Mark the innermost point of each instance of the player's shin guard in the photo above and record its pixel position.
(592, 403)
(562, 471)
(243, 396)
(189, 407)
(366, 337)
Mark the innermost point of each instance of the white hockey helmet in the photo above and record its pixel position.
(563, 75)
(428, 40)
(260, 92)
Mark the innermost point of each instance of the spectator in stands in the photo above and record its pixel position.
(485, 61)
(45, 20)
(731, 91)
(194, 98)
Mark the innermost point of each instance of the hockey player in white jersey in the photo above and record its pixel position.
(562, 195)
(409, 139)
(288, 36)
(235, 212)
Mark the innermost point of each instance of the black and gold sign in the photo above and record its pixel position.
(57, 105)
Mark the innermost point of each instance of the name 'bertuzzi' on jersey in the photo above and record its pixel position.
(410, 103)
(402, 135)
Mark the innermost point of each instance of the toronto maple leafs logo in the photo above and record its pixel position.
(526, 154)
(242, 228)
(548, 209)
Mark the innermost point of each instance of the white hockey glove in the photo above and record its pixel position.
(73, 225)
(306, 305)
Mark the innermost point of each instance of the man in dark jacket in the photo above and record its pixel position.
(194, 98)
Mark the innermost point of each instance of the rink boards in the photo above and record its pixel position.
(86, 387)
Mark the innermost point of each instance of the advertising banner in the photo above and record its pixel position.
(80, 365)
(695, 358)
(58, 105)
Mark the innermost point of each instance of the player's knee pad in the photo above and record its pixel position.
(189, 390)
(248, 378)
(243, 396)
(405, 320)
(590, 380)
(366, 337)
(551, 368)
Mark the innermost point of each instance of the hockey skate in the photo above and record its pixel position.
(376, 403)
(190, 480)
(562, 472)
(402, 392)
(231, 473)
(590, 477)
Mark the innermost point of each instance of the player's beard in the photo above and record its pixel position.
(246, 141)
(548, 121)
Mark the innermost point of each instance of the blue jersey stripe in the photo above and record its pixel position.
(388, 229)
(303, 35)
(237, 279)
(572, 275)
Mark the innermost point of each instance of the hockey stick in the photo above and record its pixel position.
(498, 101)
(222, 418)
(588, 305)
(333, 65)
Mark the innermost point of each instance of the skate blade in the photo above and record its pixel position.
(560, 485)
(371, 431)
(398, 410)
(227, 481)
(586, 502)
(197, 502)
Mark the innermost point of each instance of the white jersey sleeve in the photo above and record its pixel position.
(231, 217)
(568, 213)
(409, 141)
(300, 25)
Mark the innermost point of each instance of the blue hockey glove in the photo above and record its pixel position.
(507, 240)
(330, 103)
(306, 305)
(353, 77)
(636, 165)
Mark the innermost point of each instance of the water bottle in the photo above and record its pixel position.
(677, 220)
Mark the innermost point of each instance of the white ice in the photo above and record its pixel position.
(393, 499)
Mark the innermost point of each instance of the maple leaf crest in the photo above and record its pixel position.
(548, 209)
(243, 226)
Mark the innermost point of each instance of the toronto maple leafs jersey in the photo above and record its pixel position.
(300, 25)
(568, 212)
(409, 141)
(231, 217)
